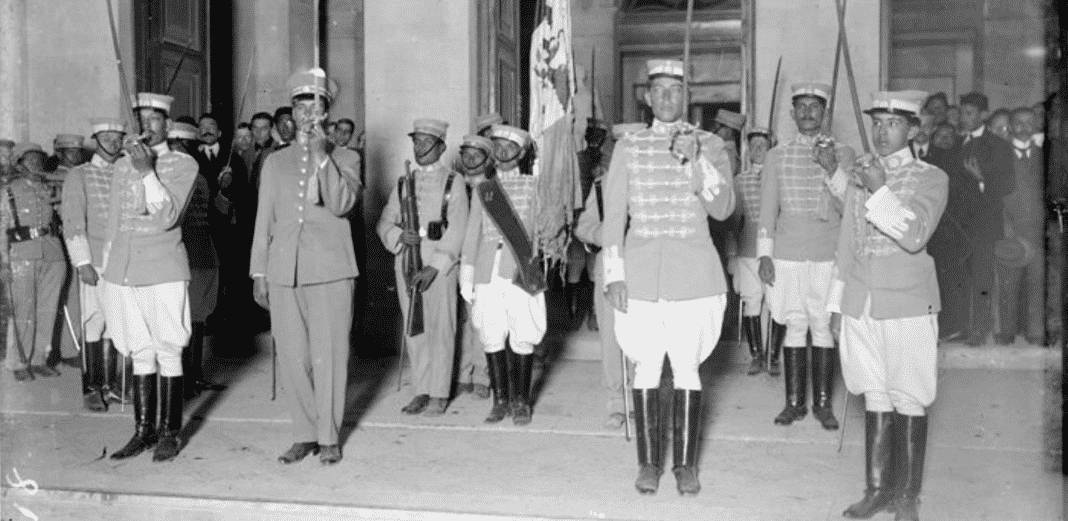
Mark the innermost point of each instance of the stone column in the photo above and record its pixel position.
(14, 63)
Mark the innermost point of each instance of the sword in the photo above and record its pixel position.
(625, 367)
(178, 68)
(852, 79)
(828, 123)
(845, 420)
(774, 97)
(274, 368)
(686, 63)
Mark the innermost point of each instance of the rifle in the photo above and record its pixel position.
(412, 262)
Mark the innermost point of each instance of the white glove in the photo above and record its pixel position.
(713, 180)
(467, 282)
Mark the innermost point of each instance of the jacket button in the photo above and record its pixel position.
(300, 194)
(300, 208)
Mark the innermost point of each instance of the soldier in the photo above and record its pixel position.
(588, 230)
(476, 163)
(580, 257)
(304, 269)
(147, 274)
(662, 271)
(86, 195)
(32, 263)
(69, 151)
(485, 123)
(502, 311)
(798, 228)
(746, 265)
(6, 169)
(729, 125)
(885, 296)
(442, 214)
(203, 261)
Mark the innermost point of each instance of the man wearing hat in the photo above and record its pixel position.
(485, 123)
(86, 195)
(746, 278)
(885, 296)
(798, 231)
(662, 272)
(729, 125)
(69, 152)
(442, 214)
(988, 158)
(588, 230)
(476, 164)
(203, 259)
(502, 311)
(580, 257)
(304, 268)
(6, 168)
(147, 273)
(32, 263)
(1021, 264)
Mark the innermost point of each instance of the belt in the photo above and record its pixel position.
(25, 233)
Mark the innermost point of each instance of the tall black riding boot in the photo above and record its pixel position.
(911, 448)
(144, 404)
(111, 389)
(756, 344)
(93, 377)
(521, 372)
(878, 470)
(796, 408)
(647, 428)
(775, 339)
(497, 364)
(170, 418)
(686, 434)
(823, 386)
(196, 362)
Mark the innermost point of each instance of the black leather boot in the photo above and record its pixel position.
(93, 377)
(112, 388)
(522, 410)
(823, 386)
(647, 429)
(910, 450)
(189, 390)
(196, 362)
(686, 434)
(170, 418)
(775, 338)
(796, 406)
(144, 404)
(497, 364)
(878, 472)
(756, 344)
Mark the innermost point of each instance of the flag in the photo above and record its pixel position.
(552, 119)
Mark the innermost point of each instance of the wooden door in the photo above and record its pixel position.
(172, 53)
(498, 59)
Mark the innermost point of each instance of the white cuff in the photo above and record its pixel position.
(155, 193)
(393, 240)
(78, 251)
(259, 276)
(838, 183)
(834, 296)
(467, 282)
(886, 212)
(765, 245)
(614, 270)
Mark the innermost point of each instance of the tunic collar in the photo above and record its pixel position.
(509, 174)
(100, 162)
(805, 140)
(661, 127)
(897, 159)
(161, 148)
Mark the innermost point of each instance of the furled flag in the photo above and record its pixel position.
(552, 117)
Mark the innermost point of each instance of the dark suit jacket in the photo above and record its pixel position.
(995, 159)
(236, 192)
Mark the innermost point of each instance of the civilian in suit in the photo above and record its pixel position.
(304, 269)
(147, 272)
(988, 159)
(1022, 275)
(951, 244)
(884, 297)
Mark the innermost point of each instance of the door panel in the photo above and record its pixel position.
(498, 59)
(172, 36)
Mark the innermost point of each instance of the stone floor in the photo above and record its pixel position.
(994, 453)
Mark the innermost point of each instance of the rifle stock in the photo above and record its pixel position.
(413, 258)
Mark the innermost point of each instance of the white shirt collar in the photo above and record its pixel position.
(213, 148)
(977, 133)
(509, 173)
(1021, 145)
(921, 147)
(99, 162)
(1039, 139)
(897, 159)
(162, 148)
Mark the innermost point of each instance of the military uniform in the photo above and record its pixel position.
(656, 242)
(303, 248)
(147, 293)
(34, 252)
(886, 289)
(746, 280)
(588, 230)
(69, 295)
(440, 197)
(86, 195)
(502, 311)
(799, 223)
